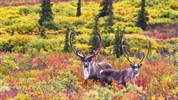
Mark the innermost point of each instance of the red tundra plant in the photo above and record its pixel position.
(117, 86)
(2, 97)
(20, 56)
(53, 61)
(161, 35)
(1, 52)
(142, 81)
(156, 69)
(58, 61)
(13, 82)
(10, 93)
(0, 60)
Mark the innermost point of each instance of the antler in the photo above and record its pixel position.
(76, 51)
(123, 38)
(149, 43)
(100, 46)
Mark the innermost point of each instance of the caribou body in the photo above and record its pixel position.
(121, 76)
(91, 68)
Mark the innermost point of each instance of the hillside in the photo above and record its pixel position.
(32, 67)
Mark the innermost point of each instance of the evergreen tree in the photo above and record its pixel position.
(107, 5)
(46, 15)
(66, 46)
(117, 41)
(109, 21)
(94, 39)
(79, 8)
(142, 16)
(46, 12)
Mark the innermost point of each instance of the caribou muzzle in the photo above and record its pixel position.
(136, 71)
(86, 64)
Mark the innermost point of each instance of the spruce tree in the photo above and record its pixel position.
(94, 39)
(79, 8)
(106, 4)
(66, 45)
(46, 15)
(142, 16)
(117, 42)
(46, 12)
(109, 21)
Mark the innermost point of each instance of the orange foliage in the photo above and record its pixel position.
(157, 69)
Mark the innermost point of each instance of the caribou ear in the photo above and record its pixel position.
(140, 65)
(89, 58)
(81, 58)
(131, 64)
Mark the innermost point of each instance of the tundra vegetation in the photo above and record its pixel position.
(33, 67)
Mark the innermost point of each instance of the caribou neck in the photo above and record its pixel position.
(131, 73)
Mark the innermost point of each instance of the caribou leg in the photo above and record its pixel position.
(124, 83)
(105, 81)
(102, 82)
(86, 84)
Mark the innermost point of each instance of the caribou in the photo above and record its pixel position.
(121, 76)
(91, 68)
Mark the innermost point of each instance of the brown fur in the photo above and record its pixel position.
(108, 75)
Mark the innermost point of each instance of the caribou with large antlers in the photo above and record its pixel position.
(121, 76)
(91, 68)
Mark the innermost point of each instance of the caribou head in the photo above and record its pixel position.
(84, 58)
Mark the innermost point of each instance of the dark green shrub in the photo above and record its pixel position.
(47, 45)
(51, 25)
(24, 11)
(168, 14)
(79, 23)
(174, 5)
(8, 46)
(108, 40)
(62, 25)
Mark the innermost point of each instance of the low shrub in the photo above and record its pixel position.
(25, 43)
(168, 14)
(16, 43)
(174, 5)
(108, 40)
(24, 11)
(154, 56)
(131, 30)
(66, 82)
(9, 61)
(164, 86)
(51, 25)
(79, 23)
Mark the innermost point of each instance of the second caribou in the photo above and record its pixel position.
(121, 76)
